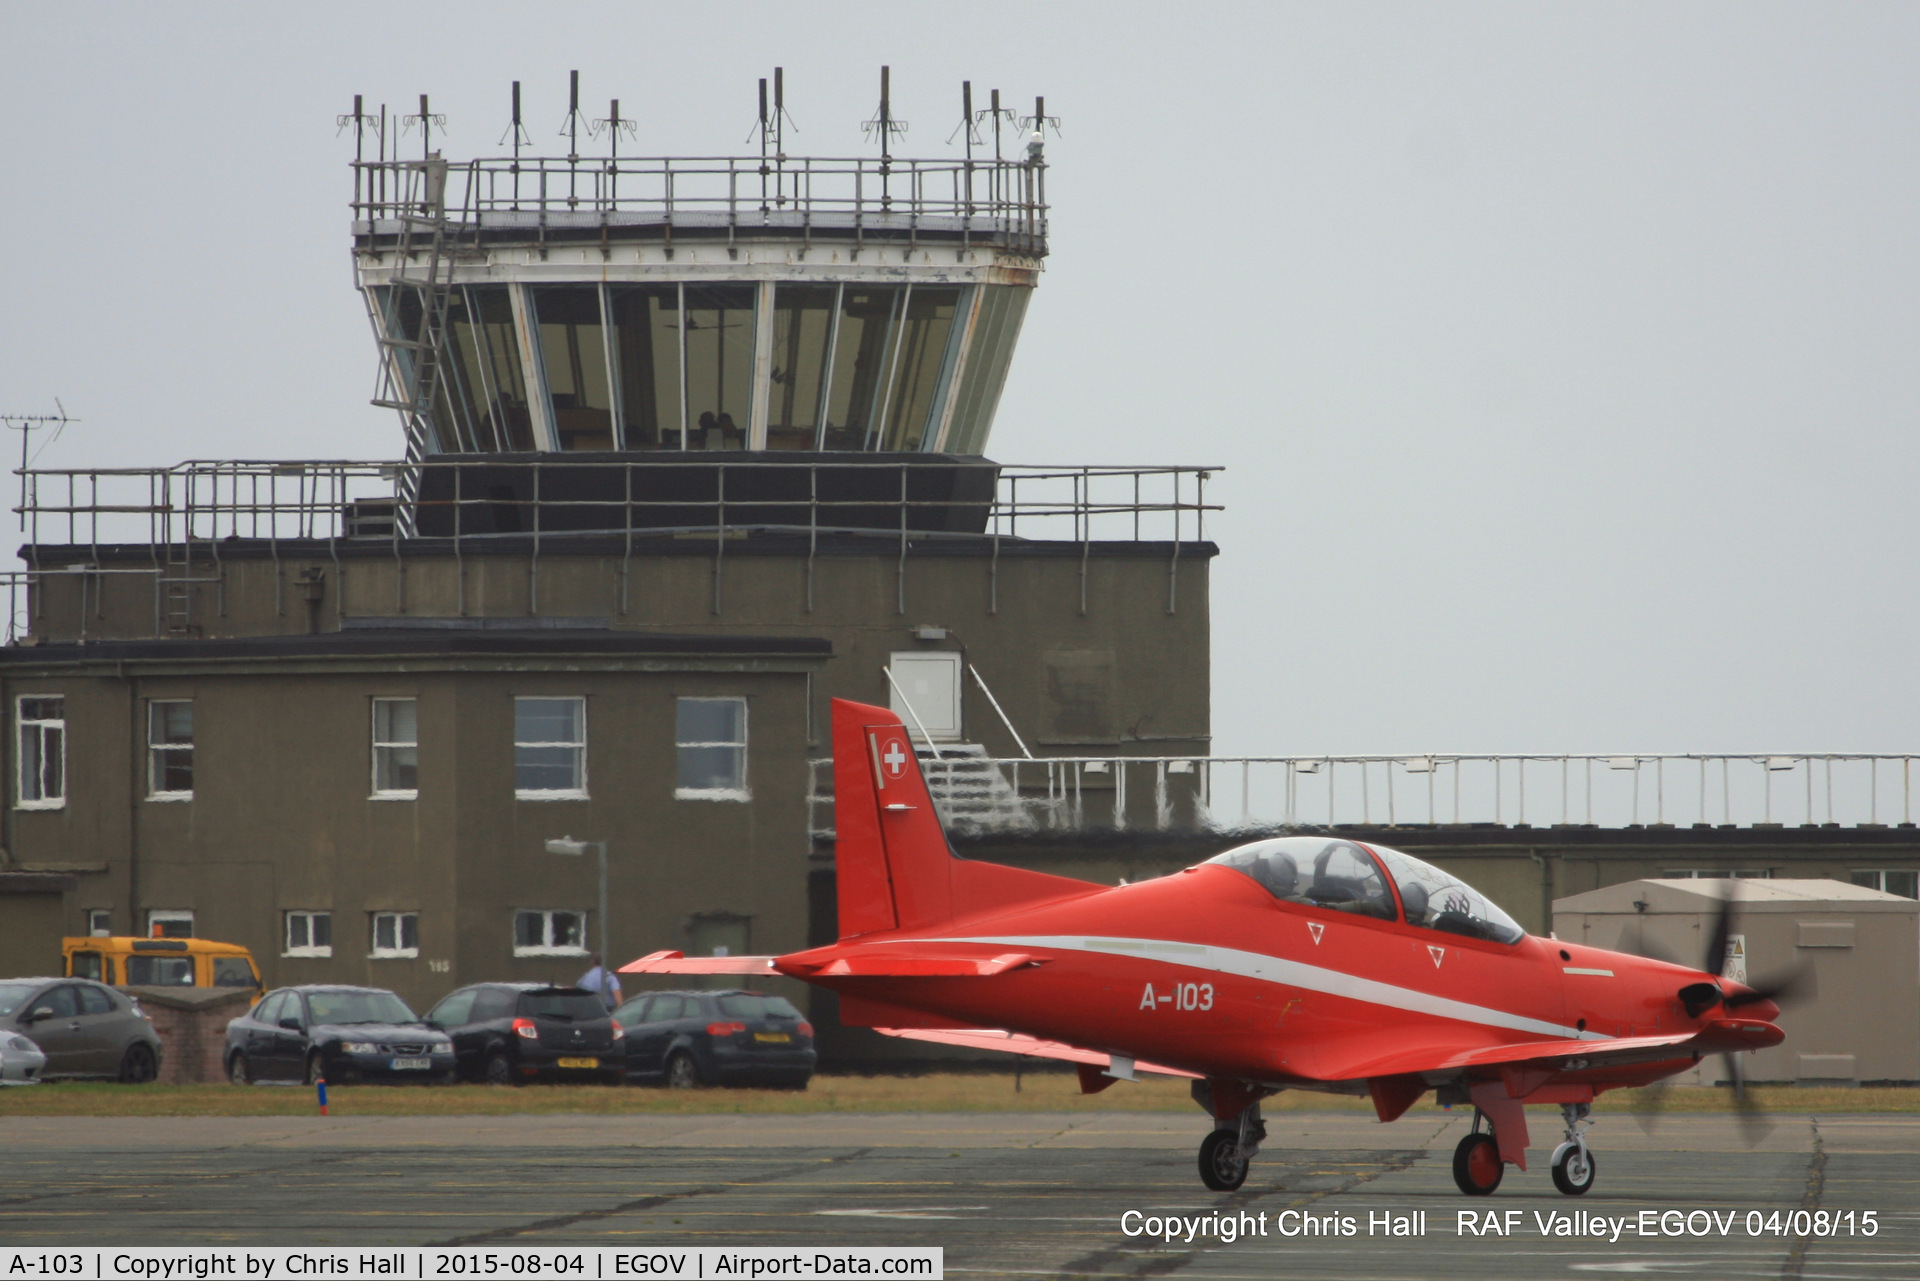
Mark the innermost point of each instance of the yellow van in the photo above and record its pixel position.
(138, 962)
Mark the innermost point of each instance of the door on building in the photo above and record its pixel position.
(930, 684)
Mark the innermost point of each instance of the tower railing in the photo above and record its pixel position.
(1232, 794)
(1002, 200)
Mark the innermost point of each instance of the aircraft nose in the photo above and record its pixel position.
(1744, 1003)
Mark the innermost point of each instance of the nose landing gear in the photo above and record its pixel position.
(1572, 1162)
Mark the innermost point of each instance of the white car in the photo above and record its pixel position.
(20, 1060)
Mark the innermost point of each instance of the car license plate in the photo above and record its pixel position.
(411, 1065)
(579, 1063)
(780, 1038)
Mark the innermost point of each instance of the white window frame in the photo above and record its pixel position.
(1879, 875)
(160, 915)
(400, 948)
(377, 792)
(37, 728)
(100, 922)
(941, 715)
(548, 947)
(309, 948)
(154, 791)
(575, 793)
(744, 792)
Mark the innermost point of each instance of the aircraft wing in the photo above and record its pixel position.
(1566, 1055)
(989, 1038)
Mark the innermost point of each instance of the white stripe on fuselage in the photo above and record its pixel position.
(1273, 969)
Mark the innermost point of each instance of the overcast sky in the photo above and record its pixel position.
(1561, 358)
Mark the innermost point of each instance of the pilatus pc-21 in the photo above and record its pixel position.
(1300, 963)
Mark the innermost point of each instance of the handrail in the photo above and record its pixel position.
(1575, 790)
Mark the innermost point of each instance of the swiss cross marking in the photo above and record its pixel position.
(894, 759)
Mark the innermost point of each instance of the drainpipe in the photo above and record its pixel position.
(1546, 890)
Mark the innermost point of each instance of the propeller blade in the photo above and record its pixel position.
(1653, 1105)
(1754, 1125)
(1715, 961)
(1792, 985)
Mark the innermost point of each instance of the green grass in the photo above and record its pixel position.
(935, 1092)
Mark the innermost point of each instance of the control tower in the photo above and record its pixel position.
(691, 446)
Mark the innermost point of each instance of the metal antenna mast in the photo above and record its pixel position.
(26, 425)
(971, 135)
(517, 134)
(771, 130)
(886, 129)
(428, 122)
(613, 126)
(570, 129)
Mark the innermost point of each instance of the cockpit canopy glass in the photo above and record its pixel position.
(1324, 872)
(1317, 871)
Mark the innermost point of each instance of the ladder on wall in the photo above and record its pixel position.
(412, 365)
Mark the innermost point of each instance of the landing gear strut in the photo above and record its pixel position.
(1226, 1153)
(1477, 1167)
(1572, 1163)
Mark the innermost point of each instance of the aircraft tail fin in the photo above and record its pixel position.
(894, 866)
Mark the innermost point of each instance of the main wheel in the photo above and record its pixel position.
(498, 1071)
(316, 1068)
(1477, 1166)
(139, 1066)
(1222, 1166)
(682, 1073)
(237, 1071)
(1573, 1170)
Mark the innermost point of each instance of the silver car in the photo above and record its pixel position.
(84, 1028)
(20, 1060)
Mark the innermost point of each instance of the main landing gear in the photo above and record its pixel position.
(1228, 1150)
(1477, 1167)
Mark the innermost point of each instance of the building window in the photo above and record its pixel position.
(549, 933)
(396, 749)
(1717, 874)
(171, 923)
(43, 753)
(100, 922)
(1902, 881)
(309, 934)
(712, 737)
(170, 751)
(396, 934)
(550, 748)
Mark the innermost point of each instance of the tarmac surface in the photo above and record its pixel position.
(1016, 1195)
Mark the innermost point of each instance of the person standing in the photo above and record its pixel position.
(603, 982)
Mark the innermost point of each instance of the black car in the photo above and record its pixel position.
(512, 1033)
(686, 1039)
(342, 1034)
(84, 1028)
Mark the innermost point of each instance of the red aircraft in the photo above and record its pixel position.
(1298, 963)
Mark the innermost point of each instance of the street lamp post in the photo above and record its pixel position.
(567, 845)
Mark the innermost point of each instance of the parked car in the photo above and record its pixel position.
(142, 962)
(513, 1033)
(343, 1034)
(684, 1039)
(83, 1028)
(20, 1060)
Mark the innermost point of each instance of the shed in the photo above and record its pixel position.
(1857, 1021)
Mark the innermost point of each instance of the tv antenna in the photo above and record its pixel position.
(428, 122)
(999, 115)
(26, 425)
(967, 120)
(613, 126)
(1039, 122)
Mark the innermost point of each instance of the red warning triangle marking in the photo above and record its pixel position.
(1436, 953)
(1316, 929)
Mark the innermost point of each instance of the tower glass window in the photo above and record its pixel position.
(170, 750)
(550, 748)
(718, 325)
(646, 343)
(485, 379)
(42, 722)
(976, 394)
(803, 318)
(915, 366)
(573, 353)
(711, 735)
(396, 748)
(859, 364)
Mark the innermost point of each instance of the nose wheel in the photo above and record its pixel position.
(1572, 1162)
